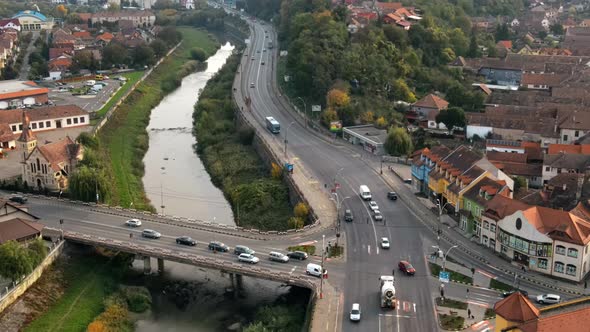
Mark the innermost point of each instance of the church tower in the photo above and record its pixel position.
(27, 140)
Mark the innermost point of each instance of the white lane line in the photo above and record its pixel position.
(414, 307)
(369, 249)
(293, 269)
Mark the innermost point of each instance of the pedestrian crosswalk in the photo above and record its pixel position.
(483, 326)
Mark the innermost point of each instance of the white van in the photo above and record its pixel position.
(97, 87)
(90, 83)
(314, 270)
(365, 193)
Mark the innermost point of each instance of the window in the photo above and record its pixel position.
(565, 138)
(492, 243)
(559, 171)
(547, 169)
(48, 124)
(542, 263)
(41, 124)
(492, 228)
(485, 240)
(13, 127)
(69, 121)
(570, 270)
(82, 119)
(75, 120)
(559, 266)
(577, 133)
(560, 250)
(20, 127)
(571, 252)
(34, 125)
(468, 205)
(486, 225)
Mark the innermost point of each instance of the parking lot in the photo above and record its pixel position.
(89, 102)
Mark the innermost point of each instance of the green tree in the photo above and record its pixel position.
(85, 181)
(37, 251)
(401, 91)
(399, 142)
(473, 51)
(199, 54)
(502, 32)
(295, 223)
(143, 55)
(15, 262)
(159, 47)
(556, 29)
(453, 117)
(301, 210)
(114, 54)
(519, 183)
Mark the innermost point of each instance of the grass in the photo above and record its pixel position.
(450, 322)
(335, 251)
(500, 285)
(131, 79)
(125, 138)
(86, 281)
(454, 304)
(452, 260)
(489, 313)
(310, 250)
(455, 276)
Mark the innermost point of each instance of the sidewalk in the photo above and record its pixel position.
(326, 311)
(477, 312)
(468, 247)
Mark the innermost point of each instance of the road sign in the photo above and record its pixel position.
(443, 276)
(316, 108)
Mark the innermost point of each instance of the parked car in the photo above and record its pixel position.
(133, 223)
(508, 293)
(186, 240)
(348, 216)
(300, 255)
(18, 199)
(355, 312)
(243, 250)
(384, 243)
(406, 268)
(548, 299)
(377, 215)
(277, 256)
(392, 195)
(373, 205)
(150, 233)
(248, 258)
(218, 246)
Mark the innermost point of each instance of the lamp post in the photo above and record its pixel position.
(445, 257)
(338, 202)
(440, 211)
(304, 110)
(286, 132)
(322, 271)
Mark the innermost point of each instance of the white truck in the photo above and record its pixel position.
(365, 193)
(387, 292)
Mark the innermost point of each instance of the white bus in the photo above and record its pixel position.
(273, 125)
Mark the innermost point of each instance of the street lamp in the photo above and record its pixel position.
(322, 272)
(286, 131)
(338, 207)
(304, 110)
(440, 211)
(445, 255)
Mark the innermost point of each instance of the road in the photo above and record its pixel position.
(326, 162)
(23, 75)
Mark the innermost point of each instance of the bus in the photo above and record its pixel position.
(273, 125)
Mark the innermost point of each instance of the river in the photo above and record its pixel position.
(174, 175)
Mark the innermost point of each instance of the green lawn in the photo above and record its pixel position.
(131, 79)
(86, 281)
(455, 276)
(450, 322)
(454, 304)
(125, 137)
(308, 249)
(500, 285)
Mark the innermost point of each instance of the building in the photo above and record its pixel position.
(422, 163)
(11, 23)
(45, 118)
(369, 137)
(20, 230)
(554, 164)
(48, 166)
(10, 210)
(544, 81)
(474, 202)
(429, 104)
(140, 18)
(14, 93)
(522, 165)
(564, 191)
(516, 313)
(31, 20)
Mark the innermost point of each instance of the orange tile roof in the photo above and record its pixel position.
(517, 308)
(505, 43)
(432, 101)
(558, 224)
(23, 93)
(59, 152)
(568, 148)
(499, 207)
(81, 34)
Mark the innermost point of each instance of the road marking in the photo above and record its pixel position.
(489, 275)
(480, 304)
(369, 248)
(308, 243)
(377, 250)
(414, 307)
(398, 316)
(293, 269)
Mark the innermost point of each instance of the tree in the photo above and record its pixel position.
(199, 54)
(329, 115)
(519, 183)
(159, 47)
(276, 171)
(368, 117)
(381, 122)
(401, 91)
(301, 210)
(62, 11)
(556, 29)
(113, 7)
(14, 261)
(453, 117)
(96, 326)
(399, 142)
(473, 51)
(37, 251)
(337, 98)
(295, 223)
(83, 60)
(114, 54)
(143, 55)
(170, 35)
(502, 32)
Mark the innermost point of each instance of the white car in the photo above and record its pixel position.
(548, 299)
(133, 223)
(377, 215)
(373, 205)
(384, 243)
(248, 258)
(355, 312)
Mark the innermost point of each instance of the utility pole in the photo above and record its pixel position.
(322, 272)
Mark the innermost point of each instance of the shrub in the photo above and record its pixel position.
(198, 54)
(139, 299)
(301, 211)
(276, 171)
(295, 223)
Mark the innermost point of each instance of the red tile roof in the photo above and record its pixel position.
(543, 79)
(82, 34)
(17, 229)
(432, 101)
(516, 308)
(499, 207)
(505, 43)
(60, 152)
(568, 148)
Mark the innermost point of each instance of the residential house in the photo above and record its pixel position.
(46, 118)
(59, 66)
(495, 210)
(554, 164)
(140, 18)
(11, 23)
(422, 163)
(563, 191)
(484, 23)
(20, 230)
(517, 313)
(62, 38)
(518, 165)
(10, 210)
(474, 204)
(542, 81)
(56, 52)
(385, 8)
(577, 39)
(572, 125)
(425, 110)
(104, 39)
(504, 47)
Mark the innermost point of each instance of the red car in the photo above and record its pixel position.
(406, 268)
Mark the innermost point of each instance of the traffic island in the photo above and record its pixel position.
(309, 249)
(451, 322)
(453, 276)
(335, 251)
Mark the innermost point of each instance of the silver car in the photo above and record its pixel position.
(133, 223)
(150, 233)
(548, 299)
(248, 258)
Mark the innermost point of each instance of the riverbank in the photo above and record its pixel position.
(124, 139)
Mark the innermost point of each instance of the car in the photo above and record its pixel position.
(133, 223)
(243, 250)
(406, 268)
(377, 215)
(252, 84)
(258, 51)
(300, 255)
(218, 246)
(262, 62)
(548, 299)
(277, 256)
(373, 205)
(355, 312)
(392, 195)
(150, 233)
(348, 216)
(62, 89)
(384, 243)
(253, 58)
(508, 293)
(264, 50)
(408, 181)
(266, 36)
(186, 240)
(18, 199)
(248, 258)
